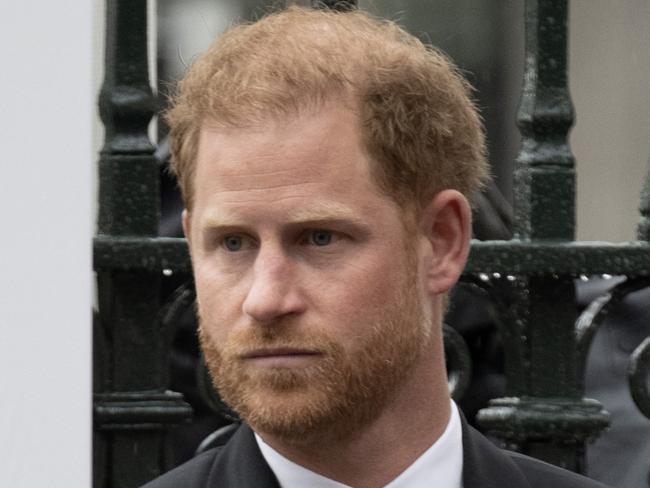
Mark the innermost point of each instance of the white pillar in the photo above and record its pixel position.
(47, 161)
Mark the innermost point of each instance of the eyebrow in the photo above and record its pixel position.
(327, 213)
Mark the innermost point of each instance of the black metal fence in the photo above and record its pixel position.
(530, 278)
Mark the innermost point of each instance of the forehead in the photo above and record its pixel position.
(319, 151)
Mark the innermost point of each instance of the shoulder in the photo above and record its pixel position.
(543, 475)
(233, 461)
(193, 473)
(196, 472)
(485, 465)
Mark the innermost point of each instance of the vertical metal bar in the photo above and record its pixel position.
(129, 197)
(131, 409)
(549, 420)
(544, 171)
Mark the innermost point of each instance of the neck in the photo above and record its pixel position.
(378, 453)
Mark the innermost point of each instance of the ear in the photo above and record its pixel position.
(446, 222)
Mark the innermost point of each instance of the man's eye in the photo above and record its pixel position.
(233, 243)
(320, 237)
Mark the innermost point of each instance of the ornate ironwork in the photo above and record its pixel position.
(507, 258)
(546, 417)
(132, 408)
(592, 317)
(639, 374)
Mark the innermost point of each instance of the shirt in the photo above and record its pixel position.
(441, 465)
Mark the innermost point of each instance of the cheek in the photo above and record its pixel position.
(215, 302)
(363, 291)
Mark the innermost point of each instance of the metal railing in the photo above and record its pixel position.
(531, 278)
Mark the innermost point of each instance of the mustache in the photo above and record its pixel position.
(255, 339)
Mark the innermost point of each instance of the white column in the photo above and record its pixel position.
(47, 159)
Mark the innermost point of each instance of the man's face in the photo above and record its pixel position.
(308, 285)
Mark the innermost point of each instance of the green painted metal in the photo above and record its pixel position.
(540, 258)
(132, 409)
(546, 416)
(141, 253)
(544, 171)
(490, 259)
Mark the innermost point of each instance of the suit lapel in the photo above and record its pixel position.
(485, 465)
(240, 464)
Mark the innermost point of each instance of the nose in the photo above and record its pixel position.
(274, 292)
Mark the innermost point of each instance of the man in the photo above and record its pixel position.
(324, 160)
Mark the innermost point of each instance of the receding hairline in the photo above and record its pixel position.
(398, 50)
(335, 101)
(348, 99)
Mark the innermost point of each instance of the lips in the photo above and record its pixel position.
(279, 352)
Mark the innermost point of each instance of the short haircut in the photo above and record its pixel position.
(419, 124)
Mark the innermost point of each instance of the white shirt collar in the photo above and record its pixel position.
(441, 465)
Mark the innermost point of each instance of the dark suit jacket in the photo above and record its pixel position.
(240, 464)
